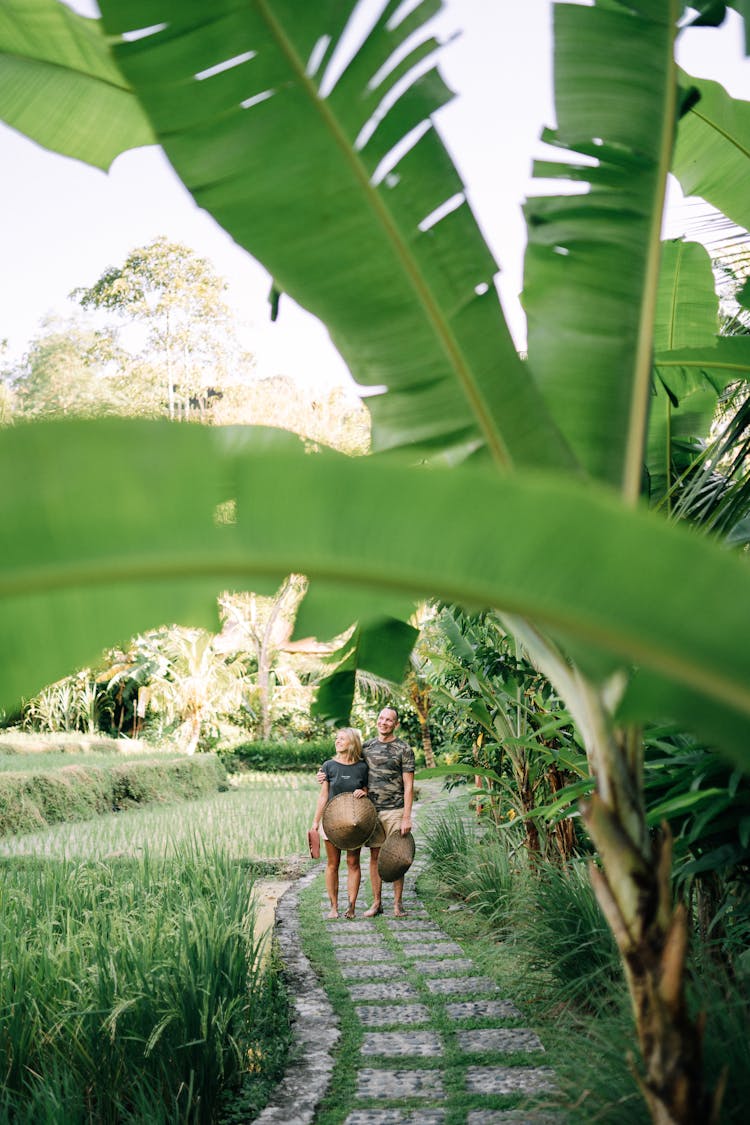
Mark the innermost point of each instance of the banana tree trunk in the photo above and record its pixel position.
(429, 753)
(634, 889)
(633, 885)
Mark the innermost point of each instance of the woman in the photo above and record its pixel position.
(344, 773)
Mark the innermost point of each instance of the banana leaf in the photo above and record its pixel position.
(60, 86)
(71, 580)
(336, 180)
(712, 149)
(592, 261)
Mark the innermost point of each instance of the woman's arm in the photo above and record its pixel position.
(322, 802)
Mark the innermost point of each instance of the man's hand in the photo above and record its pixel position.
(405, 825)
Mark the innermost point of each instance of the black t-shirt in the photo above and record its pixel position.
(344, 777)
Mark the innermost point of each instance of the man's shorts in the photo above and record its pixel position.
(389, 822)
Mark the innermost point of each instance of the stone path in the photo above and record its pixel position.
(436, 1034)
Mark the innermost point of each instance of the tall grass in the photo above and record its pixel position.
(132, 990)
(488, 871)
(551, 924)
(265, 816)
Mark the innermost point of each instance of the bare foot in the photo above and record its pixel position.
(333, 914)
(376, 908)
(398, 911)
(349, 912)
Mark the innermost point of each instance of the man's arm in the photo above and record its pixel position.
(408, 801)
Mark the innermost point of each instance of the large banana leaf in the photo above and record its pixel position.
(344, 191)
(83, 566)
(685, 389)
(60, 86)
(686, 314)
(592, 262)
(712, 151)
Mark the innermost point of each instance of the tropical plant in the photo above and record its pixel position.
(179, 676)
(327, 167)
(502, 723)
(72, 704)
(179, 298)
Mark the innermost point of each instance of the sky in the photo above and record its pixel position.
(64, 223)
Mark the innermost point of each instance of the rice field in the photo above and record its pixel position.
(263, 816)
(134, 985)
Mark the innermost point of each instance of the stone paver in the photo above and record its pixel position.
(380, 1015)
(460, 986)
(348, 926)
(364, 941)
(419, 924)
(372, 971)
(396, 1117)
(447, 965)
(482, 1010)
(420, 1044)
(399, 1084)
(432, 949)
(386, 992)
(502, 1039)
(509, 1079)
(379, 953)
(512, 1117)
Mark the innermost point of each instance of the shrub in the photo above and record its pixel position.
(278, 755)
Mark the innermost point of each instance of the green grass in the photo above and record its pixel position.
(544, 940)
(132, 990)
(33, 798)
(266, 816)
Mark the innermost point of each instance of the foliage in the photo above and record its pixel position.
(144, 997)
(179, 676)
(500, 716)
(72, 704)
(278, 756)
(563, 962)
(265, 132)
(62, 87)
(34, 798)
(66, 371)
(178, 297)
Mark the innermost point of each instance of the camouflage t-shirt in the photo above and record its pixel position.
(387, 762)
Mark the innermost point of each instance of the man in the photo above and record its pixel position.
(390, 764)
(391, 789)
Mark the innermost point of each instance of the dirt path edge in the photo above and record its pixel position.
(315, 1026)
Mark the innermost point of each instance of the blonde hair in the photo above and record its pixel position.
(355, 742)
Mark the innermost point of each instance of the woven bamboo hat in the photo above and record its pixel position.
(349, 821)
(396, 856)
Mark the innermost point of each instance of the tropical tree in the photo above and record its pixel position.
(331, 173)
(179, 298)
(64, 372)
(262, 627)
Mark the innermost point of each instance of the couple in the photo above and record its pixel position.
(383, 770)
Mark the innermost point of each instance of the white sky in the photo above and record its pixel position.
(64, 222)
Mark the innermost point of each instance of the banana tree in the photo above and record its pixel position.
(328, 169)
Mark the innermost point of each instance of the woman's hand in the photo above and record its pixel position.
(360, 792)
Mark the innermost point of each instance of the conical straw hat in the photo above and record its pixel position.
(396, 856)
(349, 821)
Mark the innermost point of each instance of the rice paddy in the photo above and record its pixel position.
(263, 816)
(133, 984)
